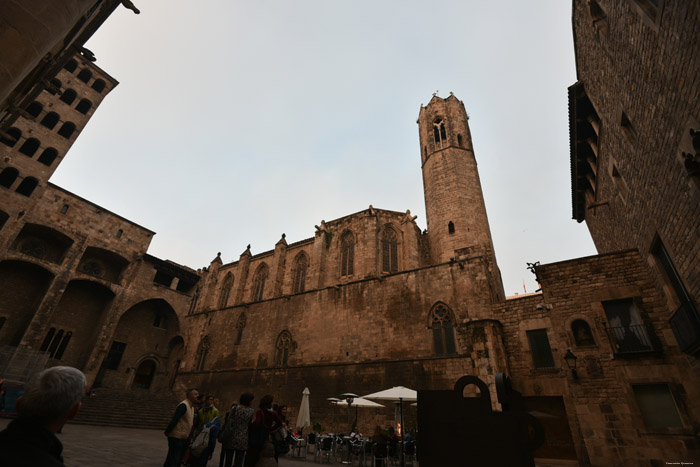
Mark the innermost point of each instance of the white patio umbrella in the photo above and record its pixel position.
(304, 416)
(361, 402)
(396, 394)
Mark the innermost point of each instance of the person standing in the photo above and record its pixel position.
(261, 451)
(179, 428)
(50, 399)
(235, 442)
(206, 414)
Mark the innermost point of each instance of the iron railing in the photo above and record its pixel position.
(629, 340)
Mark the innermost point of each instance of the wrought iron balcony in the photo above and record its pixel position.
(633, 340)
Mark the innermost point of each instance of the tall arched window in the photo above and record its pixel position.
(347, 254)
(50, 120)
(240, 325)
(225, 291)
(439, 132)
(283, 346)
(301, 264)
(27, 186)
(8, 176)
(443, 330)
(390, 246)
(202, 352)
(259, 282)
(30, 147)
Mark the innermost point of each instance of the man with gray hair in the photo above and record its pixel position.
(50, 399)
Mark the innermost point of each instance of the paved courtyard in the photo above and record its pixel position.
(102, 446)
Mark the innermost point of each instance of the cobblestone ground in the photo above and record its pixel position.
(104, 446)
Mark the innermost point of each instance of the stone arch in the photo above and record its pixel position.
(147, 328)
(24, 285)
(42, 242)
(145, 372)
(347, 253)
(441, 321)
(259, 279)
(301, 266)
(225, 290)
(580, 331)
(80, 310)
(103, 264)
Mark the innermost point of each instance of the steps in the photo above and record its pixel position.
(134, 409)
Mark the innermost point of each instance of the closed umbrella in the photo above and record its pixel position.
(396, 394)
(304, 416)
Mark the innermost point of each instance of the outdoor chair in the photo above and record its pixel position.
(367, 452)
(299, 445)
(325, 448)
(409, 453)
(311, 442)
(380, 454)
(356, 452)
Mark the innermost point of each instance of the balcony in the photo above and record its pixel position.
(638, 340)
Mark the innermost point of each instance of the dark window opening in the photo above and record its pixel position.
(55, 342)
(114, 356)
(85, 75)
(62, 347)
(64, 209)
(619, 182)
(34, 109)
(119, 233)
(8, 176)
(11, 137)
(27, 186)
(542, 357)
(71, 65)
(657, 406)
(67, 130)
(55, 86)
(50, 120)
(3, 218)
(83, 106)
(582, 332)
(163, 278)
(159, 321)
(30, 147)
(451, 227)
(98, 85)
(459, 141)
(69, 96)
(627, 332)
(628, 128)
(439, 132)
(47, 340)
(48, 156)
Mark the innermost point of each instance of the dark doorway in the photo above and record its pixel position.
(551, 413)
(144, 375)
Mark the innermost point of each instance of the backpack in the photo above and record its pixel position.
(226, 433)
(201, 442)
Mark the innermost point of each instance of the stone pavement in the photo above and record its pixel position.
(106, 446)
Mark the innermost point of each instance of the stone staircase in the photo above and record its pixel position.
(133, 409)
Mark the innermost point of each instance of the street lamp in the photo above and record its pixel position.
(570, 360)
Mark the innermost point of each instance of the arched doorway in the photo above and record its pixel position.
(144, 374)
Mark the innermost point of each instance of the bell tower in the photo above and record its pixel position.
(454, 204)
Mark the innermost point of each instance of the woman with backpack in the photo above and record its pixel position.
(234, 436)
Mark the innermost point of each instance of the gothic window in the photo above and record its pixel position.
(226, 286)
(284, 344)
(347, 255)
(542, 357)
(68, 96)
(443, 330)
(8, 176)
(48, 156)
(259, 282)
(84, 75)
(27, 186)
(71, 65)
(83, 106)
(202, 352)
(13, 136)
(55, 343)
(30, 147)
(389, 250)
(98, 85)
(439, 132)
(50, 120)
(67, 130)
(240, 325)
(34, 109)
(582, 332)
(301, 264)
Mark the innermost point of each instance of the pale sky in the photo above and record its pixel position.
(235, 121)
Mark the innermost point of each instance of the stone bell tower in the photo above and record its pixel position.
(454, 204)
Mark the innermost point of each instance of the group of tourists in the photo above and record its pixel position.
(248, 437)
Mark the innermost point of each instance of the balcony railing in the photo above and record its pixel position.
(632, 340)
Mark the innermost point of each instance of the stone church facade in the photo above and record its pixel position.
(372, 301)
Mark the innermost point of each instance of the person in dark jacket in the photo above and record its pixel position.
(50, 399)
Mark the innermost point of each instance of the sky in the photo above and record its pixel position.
(237, 121)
